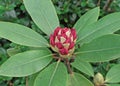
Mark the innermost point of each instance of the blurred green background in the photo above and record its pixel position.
(68, 11)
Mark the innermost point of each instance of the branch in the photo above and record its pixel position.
(98, 3)
(26, 81)
(106, 6)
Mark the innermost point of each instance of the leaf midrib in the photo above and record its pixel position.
(52, 76)
(85, 23)
(28, 62)
(110, 78)
(87, 69)
(97, 50)
(97, 30)
(46, 20)
(27, 36)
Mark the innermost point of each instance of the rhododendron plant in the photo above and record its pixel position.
(62, 56)
(63, 41)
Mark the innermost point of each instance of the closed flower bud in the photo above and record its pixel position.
(98, 79)
(63, 41)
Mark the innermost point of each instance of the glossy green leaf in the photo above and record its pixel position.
(53, 75)
(21, 35)
(104, 26)
(43, 14)
(76, 79)
(113, 75)
(87, 19)
(83, 66)
(104, 48)
(26, 63)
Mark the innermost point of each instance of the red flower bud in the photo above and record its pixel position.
(63, 41)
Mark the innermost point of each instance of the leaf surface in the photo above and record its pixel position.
(83, 66)
(26, 63)
(106, 25)
(87, 19)
(104, 48)
(78, 80)
(43, 14)
(22, 35)
(53, 75)
(113, 75)
(113, 85)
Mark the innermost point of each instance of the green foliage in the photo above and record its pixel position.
(26, 63)
(106, 25)
(113, 76)
(113, 85)
(87, 19)
(55, 74)
(77, 80)
(84, 67)
(43, 14)
(21, 35)
(35, 62)
(102, 49)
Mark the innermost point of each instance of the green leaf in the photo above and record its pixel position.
(113, 85)
(12, 51)
(104, 26)
(113, 75)
(104, 48)
(84, 67)
(31, 79)
(43, 14)
(87, 19)
(21, 35)
(26, 63)
(53, 75)
(76, 79)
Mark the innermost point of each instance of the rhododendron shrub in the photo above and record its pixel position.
(63, 55)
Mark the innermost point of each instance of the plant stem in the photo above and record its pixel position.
(107, 5)
(26, 81)
(98, 3)
(68, 66)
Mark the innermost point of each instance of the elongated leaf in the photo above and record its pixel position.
(104, 26)
(78, 80)
(104, 48)
(43, 14)
(113, 75)
(84, 67)
(87, 19)
(21, 35)
(26, 63)
(54, 75)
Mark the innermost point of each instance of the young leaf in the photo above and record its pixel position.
(78, 80)
(83, 66)
(113, 75)
(104, 48)
(21, 35)
(43, 14)
(104, 26)
(53, 75)
(87, 19)
(26, 63)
